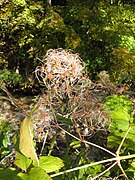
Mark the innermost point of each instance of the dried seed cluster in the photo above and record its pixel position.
(60, 69)
(69, 92)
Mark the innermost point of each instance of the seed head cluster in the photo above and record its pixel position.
(68, 93)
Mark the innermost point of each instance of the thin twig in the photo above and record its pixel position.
(118, 150)
(7, 156)
(45, 137)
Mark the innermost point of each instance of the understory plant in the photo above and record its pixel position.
(75, 130)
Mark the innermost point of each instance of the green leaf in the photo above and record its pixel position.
(113, 140)
(38, 173)
(75, 144)
(5, 142)
(26, 140)
(120, 114)
(132, 167)
(21, 175)
(22, 161)
(10, 173)
(50, 163)
(89, 171)
(131, 170)
(120, 111)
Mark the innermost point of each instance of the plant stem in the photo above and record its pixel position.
(118, 150)
(117, 159)
(84, 166)
(84, 141)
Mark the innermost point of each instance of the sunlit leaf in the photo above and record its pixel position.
(120, 111)
(75, 144)
(22, 161)
(37, 173)
(5, 142)
(26, 139)
(50, 163)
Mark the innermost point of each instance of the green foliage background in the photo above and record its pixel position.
(94, 29)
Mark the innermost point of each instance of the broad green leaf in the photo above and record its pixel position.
(22, 161)
(120, 124)
(37, 173)
(119, 109)
(26, 140)
(21, 175)
(9, 173)
(50, 163)
(120, 114)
